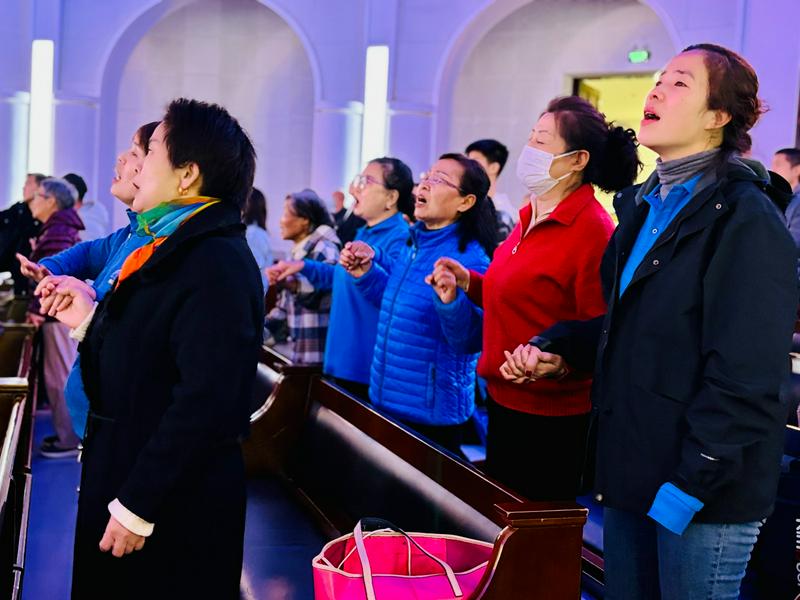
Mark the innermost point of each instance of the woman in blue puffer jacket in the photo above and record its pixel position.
(421, 374)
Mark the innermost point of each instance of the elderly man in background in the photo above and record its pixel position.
(17, 227)
(53, 205)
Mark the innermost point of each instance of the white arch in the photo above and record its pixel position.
(469, 35)
(126, 42)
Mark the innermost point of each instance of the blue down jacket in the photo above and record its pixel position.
(418, 373)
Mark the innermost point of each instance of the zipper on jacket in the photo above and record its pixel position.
(391, 316)
(514, 249)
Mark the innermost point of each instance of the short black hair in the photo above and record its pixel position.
(206, 134)
(78, 183)
(308, 205)
(144, 133)
(791, 154)
(255, 209)
(39, 177)
(494, 151)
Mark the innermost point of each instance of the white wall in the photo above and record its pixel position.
(239, 54)
(16, 27)
(529, 58)
(433, 46)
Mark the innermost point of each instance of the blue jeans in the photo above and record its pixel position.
(645, 561)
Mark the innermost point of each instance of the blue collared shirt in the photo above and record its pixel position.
(661, 214)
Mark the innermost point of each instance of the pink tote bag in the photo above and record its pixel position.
(390, 564)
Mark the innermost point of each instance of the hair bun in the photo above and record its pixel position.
(620, 136)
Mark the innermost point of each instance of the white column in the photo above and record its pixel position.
(410, 131)
(14, 138)
(336, 146)
(75, 140)
(769, 42)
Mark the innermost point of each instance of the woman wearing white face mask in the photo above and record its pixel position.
(546, 271)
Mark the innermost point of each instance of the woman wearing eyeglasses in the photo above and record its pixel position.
(382, 195)
(546, 271)
(419, 374)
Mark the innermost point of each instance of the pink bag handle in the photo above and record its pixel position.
(367, 571)
(353, 549)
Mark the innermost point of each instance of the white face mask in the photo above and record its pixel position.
(533, 169)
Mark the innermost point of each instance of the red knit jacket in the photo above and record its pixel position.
(551, 274)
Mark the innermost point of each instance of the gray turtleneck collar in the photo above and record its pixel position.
(674, 172)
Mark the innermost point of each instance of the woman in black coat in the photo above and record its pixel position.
(169, 360)
(702, 296)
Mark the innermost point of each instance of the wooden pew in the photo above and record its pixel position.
(14, 485)
(16, 422)
(343, 461)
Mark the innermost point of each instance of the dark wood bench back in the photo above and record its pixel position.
(13, 338)
(346, 461)
(350, 475)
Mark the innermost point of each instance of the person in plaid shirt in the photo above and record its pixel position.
(305, 312)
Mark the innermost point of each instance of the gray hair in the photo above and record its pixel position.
(62, 190)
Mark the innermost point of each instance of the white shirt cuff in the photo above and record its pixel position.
(80, 331)
(129, 520)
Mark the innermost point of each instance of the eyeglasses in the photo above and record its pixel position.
(360, 182)
(436, 180)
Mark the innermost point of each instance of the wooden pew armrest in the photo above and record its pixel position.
(540, 544)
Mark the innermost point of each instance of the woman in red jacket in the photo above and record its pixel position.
(546, 271)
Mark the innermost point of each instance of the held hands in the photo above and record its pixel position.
(67, 299)
(529, 363)
(356, 257)
(31, 270)
(283, 271)
(119, 540)
(448, 274)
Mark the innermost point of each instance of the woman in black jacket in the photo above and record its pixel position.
(168, 361)
(702, 296)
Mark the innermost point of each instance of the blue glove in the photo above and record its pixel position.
(674, 508)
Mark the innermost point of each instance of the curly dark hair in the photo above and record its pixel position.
(613, 151)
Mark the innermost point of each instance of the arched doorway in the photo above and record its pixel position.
(501, 77)
(237, 53)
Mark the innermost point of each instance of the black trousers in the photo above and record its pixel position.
(538, 456)
(448, 437)
(354, 388)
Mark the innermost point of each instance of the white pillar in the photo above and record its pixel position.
(336, 146)
(410, 130)
(16, 29)
(770, 44)
(75, 141)
(14, 138)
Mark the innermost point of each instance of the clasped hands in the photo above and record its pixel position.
(526, 363)
(65, 298)
(356, 257)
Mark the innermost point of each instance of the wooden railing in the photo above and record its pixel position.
(537, 546)
(17, 384)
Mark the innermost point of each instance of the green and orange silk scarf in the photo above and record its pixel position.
(158, 224)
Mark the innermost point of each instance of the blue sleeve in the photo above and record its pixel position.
(319, 274)
(373, 283)
(462, 323)
(673, 508)
(386, 255)
(85, 260)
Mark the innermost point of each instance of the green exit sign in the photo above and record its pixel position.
(638, 56)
